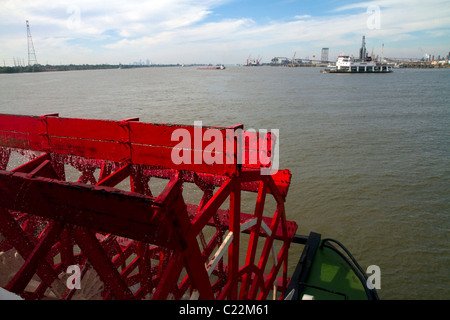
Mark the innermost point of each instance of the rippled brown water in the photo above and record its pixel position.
(369, 154)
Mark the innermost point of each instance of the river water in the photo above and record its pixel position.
(369, 153)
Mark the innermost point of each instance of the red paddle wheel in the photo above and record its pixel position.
(96, 209)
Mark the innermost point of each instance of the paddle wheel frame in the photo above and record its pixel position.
(129, 240)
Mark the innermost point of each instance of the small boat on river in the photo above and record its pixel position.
(218, 67)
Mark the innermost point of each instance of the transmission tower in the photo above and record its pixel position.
(31, 54)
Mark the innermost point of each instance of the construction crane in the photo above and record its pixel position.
(293, 64)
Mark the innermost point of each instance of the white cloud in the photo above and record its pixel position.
(304, 16)
(156, 29)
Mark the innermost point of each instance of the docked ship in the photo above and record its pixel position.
(253, 62)
(365, 64)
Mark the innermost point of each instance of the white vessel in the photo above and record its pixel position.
(365, 64)
(346, 64)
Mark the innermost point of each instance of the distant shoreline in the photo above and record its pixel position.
(75, 67)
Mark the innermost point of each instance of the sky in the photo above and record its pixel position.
(219, 31)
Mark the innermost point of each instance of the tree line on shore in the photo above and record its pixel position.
(71, 67)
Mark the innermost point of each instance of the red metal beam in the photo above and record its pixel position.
(127, 214)
(34, 259)
(105, 269)
(20, 241)
(130, 141)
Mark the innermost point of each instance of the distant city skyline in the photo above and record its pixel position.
(219, 31)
